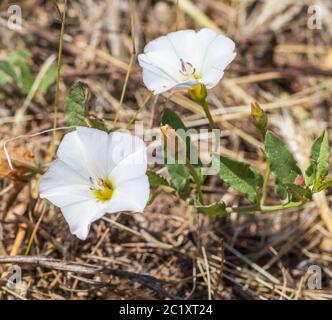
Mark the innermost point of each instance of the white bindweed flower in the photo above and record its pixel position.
(185, 58)
(96, 173)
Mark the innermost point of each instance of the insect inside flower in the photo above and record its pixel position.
(186, 58)
(96, 173)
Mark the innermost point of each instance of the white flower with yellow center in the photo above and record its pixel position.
(185, 58)
(96, 173)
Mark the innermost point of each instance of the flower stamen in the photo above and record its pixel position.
(102, 189)
(188, 71)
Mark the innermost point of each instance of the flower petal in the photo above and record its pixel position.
(161, 61)
(218, 60)
(93, 153)
(161, 44)
(155, 78)
(62, 185)
(219, 54)
(212, 77)
(84, 151)
(80, 215)
(204, 38)
(184, 44)
(207, 51)
(128, 157)
(131, 195)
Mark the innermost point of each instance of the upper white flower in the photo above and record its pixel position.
(185, 58)
(96, 173)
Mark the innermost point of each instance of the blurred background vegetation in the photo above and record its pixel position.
(284, 61)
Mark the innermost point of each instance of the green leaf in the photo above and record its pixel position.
(180, 176)
(19, 59)
(240, 176)
(3, 78)
(76, 106)
(324, 185)
(15, 58)
(97, 124)
(282, 163)
(48, 79)
(281, 190)
(214, 210)
(156, 180)
(172, 119)
(319, 161)
(8, 70)
(258, 177)
(26, 77)
(298, 192)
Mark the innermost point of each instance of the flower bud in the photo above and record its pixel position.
(259, 117)
(198, 93)
(299, 181)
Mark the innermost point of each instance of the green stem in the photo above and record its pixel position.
(244, 209)
(265, 184)
(59, 65)
(197, 182)
(283, 206)
(208, 115)
(257, 207)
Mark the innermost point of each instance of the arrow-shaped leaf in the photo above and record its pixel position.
(319, 161)
(282, 163)
(156, 179)
(240, 176)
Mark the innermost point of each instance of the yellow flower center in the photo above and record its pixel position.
(102, 189)
(188, 71)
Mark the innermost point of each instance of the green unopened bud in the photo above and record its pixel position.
(198, 93)
(259, 117)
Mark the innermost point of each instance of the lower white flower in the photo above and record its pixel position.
(96, 173)
(185, 58)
